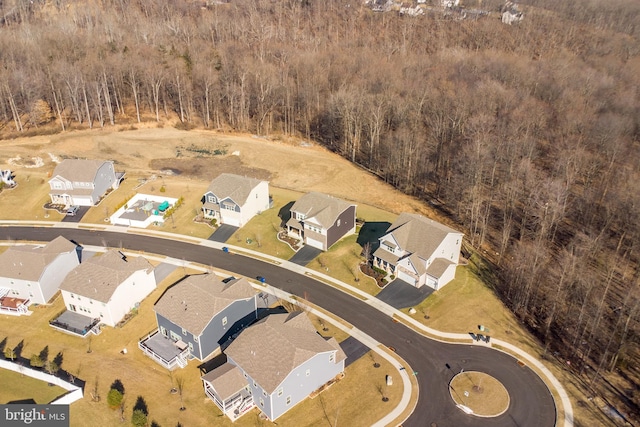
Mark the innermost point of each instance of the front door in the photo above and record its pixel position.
(72, 307)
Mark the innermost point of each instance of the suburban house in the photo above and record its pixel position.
(33, 273)
(108, 286)
(273, 365)
(419, 251)
(196, 316)
(234, 199)
(82, 182)
(320, 220)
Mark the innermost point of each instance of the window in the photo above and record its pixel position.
(73, 296)
(457, 241)
(264, 393)
(211, 199)
(195, 339)
(300, 216)
(224, 321)
(163, 330)
(280, 391)
(191, 347)
(308, 372)
(184, 332)
(331, 357)
(245, 374)
(90, 301)
(338, 223)
(174, 336)
(254, 384)
(229, 207)
(262, 402)
(288, 400)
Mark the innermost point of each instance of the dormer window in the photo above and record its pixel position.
(212, 199)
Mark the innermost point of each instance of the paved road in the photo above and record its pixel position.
(531, 403)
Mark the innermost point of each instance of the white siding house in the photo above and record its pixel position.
(82, 182)
(34, 273)
(419, 251)
(234, 199)
(108, 286)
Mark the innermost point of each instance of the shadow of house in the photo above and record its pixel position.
(213, 363)
(371, 232)
(285, 213)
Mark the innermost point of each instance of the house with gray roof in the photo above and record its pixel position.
(108, 286)
(419, 251)
(82, 182)
(320, 220)
(33, 273)
(234, 199)
(274, 365)
(196, 316)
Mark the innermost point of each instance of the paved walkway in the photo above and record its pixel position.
(371, 300)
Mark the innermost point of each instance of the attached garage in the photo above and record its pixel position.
(406, 277)
(315, 243)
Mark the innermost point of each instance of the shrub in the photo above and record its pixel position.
(114, 398)
(36, 361)
(162, 189)
(139, 418)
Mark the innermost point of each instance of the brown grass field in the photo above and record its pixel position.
(184, 162)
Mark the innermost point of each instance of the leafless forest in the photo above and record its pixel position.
(525, 135)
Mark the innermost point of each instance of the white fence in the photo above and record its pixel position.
(75, 392)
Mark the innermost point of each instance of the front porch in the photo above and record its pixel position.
(165, 351)
(233, 407)
(13, 306)
(76, 324)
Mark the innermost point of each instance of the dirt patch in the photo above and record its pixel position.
(207, 168)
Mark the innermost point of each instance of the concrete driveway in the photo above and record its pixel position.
(399, 294)
(223, 233)
(163, 270)
(305, 255)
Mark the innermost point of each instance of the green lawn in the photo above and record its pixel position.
(16, 386)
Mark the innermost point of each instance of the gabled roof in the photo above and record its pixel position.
(234, 187)
(320, 208)
(269, 350)
(193, 302)
(78, 170)
(28, 262)
(226, 379)
(99, 277)
(418, 234)
(438, 267)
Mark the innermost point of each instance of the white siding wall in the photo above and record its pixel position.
(55, 273)
(105, 179)
(122, 301)
(449, 248)
(447, 276)
(133, 290)
(24, 289)
(258, 201)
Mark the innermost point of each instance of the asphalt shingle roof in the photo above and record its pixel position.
(193, 302)
(226, 379)
(235, 187)
(270, 349)
(78, 170)
(99, 276)
(320, 208)
(418, 234)
(28, 262)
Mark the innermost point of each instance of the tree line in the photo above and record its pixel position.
(525, 135)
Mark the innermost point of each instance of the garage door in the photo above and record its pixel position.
(431, 282)
(402, 275)
(231, 221)
(315, 243)
(82, 201)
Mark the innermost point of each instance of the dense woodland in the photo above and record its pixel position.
(527, 136)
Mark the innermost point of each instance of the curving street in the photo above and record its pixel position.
(531, 402)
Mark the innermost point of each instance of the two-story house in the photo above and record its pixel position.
(33, 273)
(108, 286)
(198, 314)
(234, 199)
(419, 251)
(274, 365)
(321, 220)
(82, 182)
